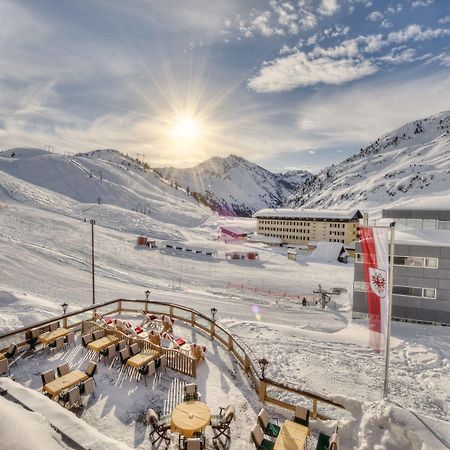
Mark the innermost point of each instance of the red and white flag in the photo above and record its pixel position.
(375, 251)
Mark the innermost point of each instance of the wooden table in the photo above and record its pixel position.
(55, 387)
(189, 418)
(142, 358)
(102, 343)
(51, 336)
(292, 436)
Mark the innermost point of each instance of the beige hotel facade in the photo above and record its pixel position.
(300, 226)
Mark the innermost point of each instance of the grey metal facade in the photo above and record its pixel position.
(410, 307)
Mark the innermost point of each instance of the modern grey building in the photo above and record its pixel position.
(421, 288)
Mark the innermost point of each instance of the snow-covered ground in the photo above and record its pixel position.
(45, 261)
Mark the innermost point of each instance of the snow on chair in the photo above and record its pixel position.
(58, 344)
(124, 355)
(91, 370)
(257, 437)
(74, 397)
(97, 334)
(88, 386)
(47, 377)
(160, 426)
(53, 326)
(12, 352)
(269, 428)
(86, 339)
(301, 415)
(70, 338)
(134, 349)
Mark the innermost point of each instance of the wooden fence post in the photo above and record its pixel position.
(146, 307)
(65, 322)
(119, 307)
(314, 409)
(192, 318)
(246, 363)
(230, 343)
(262, 390)
(171, 311)
(212, 329)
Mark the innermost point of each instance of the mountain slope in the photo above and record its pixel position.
(411, 161)
(105, 183)
(233, 185)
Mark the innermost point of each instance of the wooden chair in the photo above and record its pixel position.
(148, 369)
(74, 397)
(12, 352)
(57, 344)
(134, 349)
(91, 370)
(111, 352)
(89, 387)
(257, 436)
(97, 334)
(221, 422)
(63, 369)
(160, 426)
(269, 428)
(193, 444)
(53, 326)
(301, 415)
(47, 376)
(4, 367)
(190, 392)
(86, 339)
(124, 355)
(70, 338)
(121, 345)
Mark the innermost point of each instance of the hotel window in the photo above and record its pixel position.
(414, 291)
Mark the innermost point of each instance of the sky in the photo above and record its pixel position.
(284, 83)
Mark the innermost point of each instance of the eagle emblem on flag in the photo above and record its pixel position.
(378, 282)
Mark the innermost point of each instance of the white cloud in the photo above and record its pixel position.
(416, 33)
(347, 49)
(421, 3)
(286, 16)
(366, 3)
(297, 70)
(394, 9)
(386, 24)
(445, 19)
(356, 115)
(328, 7)
(375, 16)
(405, 56)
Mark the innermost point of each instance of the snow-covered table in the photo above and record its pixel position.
(189, 418)
(142, 358)
(55, 387)
(292, 436)
(102, 343)
(51, 336)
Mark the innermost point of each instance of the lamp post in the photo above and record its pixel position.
(147, 293)
(263, 363)
(64, 306)
(213, 313)
(92, 222)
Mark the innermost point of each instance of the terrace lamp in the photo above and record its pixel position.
(263, 364)
(147, 293)
(213, 313)
(64, 306)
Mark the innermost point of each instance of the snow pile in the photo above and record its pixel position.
(39, 434)
(46, 412)
(383, 425)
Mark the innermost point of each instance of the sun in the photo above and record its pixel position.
(186, 129)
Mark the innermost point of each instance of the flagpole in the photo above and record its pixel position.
(389, 318)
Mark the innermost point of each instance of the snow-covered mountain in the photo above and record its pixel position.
(233, 185)
(412, 161)
(106, 185)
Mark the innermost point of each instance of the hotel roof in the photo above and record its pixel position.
(314, 214)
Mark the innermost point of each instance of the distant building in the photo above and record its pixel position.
(421, 287)
(229, 232)
(300, 226)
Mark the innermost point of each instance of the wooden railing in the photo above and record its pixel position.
(265, 388)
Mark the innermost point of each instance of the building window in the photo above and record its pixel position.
(409, 291)
(432, 263)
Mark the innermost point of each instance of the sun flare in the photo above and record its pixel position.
(186, 128)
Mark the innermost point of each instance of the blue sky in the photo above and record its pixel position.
(286, 84)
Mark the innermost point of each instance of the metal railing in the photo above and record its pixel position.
(271, 391)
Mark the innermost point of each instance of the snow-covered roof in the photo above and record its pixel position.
(233, 229)
(328, 251)
(295, 213)
(435, 238)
